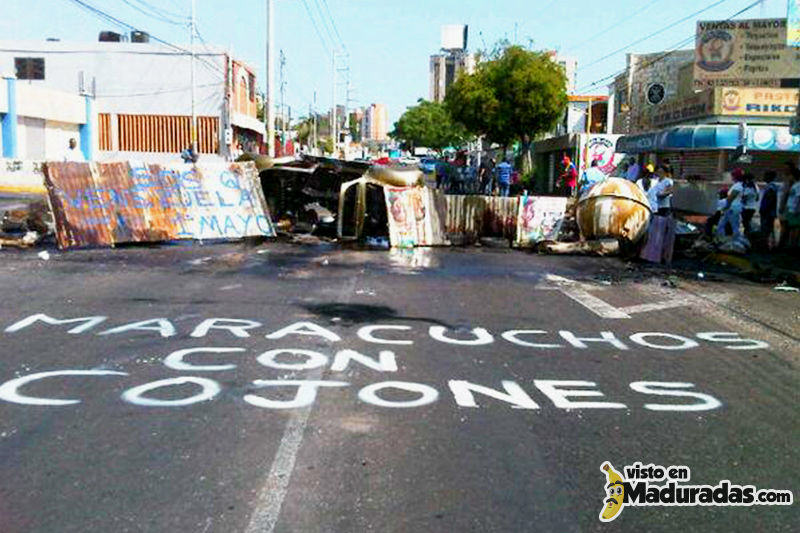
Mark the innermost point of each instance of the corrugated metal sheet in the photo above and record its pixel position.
(470, 217)
(162, 133)
(110, 203)
(104, 131)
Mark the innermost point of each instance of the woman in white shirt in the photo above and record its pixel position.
(664, 193)
(648, 183)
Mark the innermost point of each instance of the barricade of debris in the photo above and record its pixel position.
(25, 224)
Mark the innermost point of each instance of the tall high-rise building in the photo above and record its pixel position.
(570, 66)
(446, 66)
(374, 125)
(445, 69)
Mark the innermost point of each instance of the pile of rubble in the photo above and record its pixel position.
(25, 225)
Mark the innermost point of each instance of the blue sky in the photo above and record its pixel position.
(389, 42)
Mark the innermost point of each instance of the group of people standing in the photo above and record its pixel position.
(488, 178)
(657, 184)
(776, 201)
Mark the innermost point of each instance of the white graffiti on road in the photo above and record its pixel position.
(296, 393)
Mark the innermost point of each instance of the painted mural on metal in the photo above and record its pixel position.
(103, 204)
(416, 217)
(540, 219)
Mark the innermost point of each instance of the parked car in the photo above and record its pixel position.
(427, 165)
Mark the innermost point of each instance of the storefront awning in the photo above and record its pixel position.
(711, 137)
(247, 122)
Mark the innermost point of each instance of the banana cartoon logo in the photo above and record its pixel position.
(615, 489)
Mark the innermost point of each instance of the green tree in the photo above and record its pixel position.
(428, 124)
(327, 145)
(514, 94)
(303, 129)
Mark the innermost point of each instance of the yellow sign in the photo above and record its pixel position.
(759, 102)
(744, 53)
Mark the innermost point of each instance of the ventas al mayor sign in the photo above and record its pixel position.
(744, 53)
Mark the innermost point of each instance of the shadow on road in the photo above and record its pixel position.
(363, 313)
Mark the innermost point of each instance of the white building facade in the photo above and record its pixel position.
(140, 93)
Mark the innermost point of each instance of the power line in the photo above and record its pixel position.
(110, 18)
(163, 12)
(159, 91)
(153, 14)
(316, 28)
(333, 24)
(669, 52)
(662, 30)
(615, 25)
(325, 23)
(209, 53)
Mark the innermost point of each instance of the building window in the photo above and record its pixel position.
(29, 68)
(621, 101)
(252, 84)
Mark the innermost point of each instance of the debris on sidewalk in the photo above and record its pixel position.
(380, 243)
(44, 255)
(596, 247)
(736, 245)
(31, 216)
(671, 282)
(785, 287)
(31, 238)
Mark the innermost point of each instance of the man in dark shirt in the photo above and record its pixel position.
(487, 168)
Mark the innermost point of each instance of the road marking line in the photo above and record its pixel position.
(657, 306)
(273, 492)
(594, 304)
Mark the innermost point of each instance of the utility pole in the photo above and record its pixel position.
(269, 112)
(316, 137)
(334, 133)
(193, 129)
(283, 105)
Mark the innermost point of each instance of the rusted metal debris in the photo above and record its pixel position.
(471, 217)
(614, 208)
(598, 247)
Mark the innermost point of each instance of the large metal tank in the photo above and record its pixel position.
(397, 177)
(615, 208)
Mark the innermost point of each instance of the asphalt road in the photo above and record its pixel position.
(289, 427)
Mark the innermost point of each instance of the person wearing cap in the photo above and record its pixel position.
(649, 172)
(648, 185)
(569, 176)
